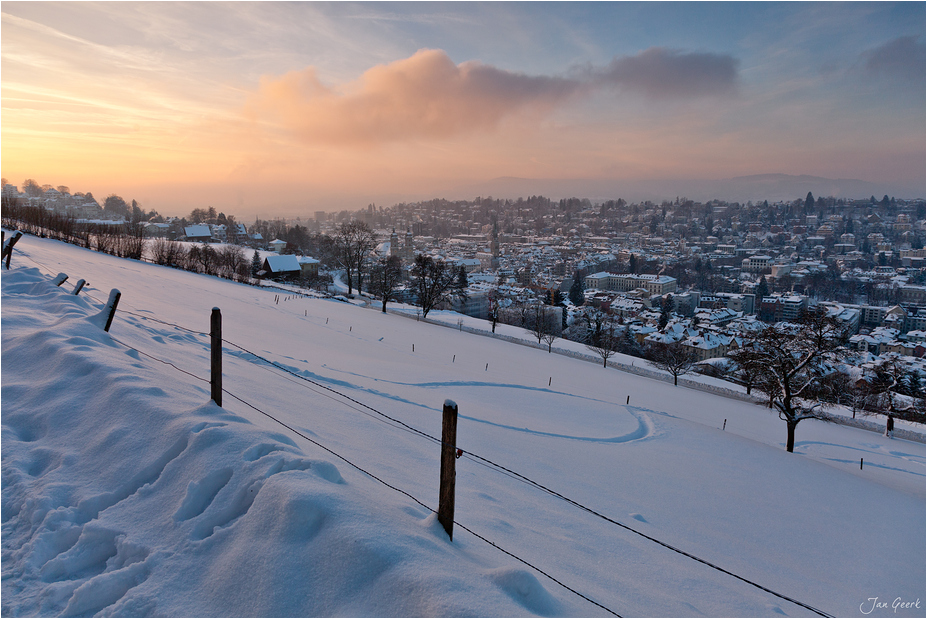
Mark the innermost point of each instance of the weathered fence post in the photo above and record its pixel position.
(8, 247)
(448, 468)
(60, 278)
(110, 310)
(215, 333)
(80, 284)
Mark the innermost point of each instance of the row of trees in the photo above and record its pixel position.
(128, 240)
(125, 240)
(228, 261)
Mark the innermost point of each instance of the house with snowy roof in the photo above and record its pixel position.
(281, 267)
(309, 267)
(199, 233)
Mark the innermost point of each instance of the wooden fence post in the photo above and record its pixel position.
(60, 278)
(110, 310)
(80, 284)
(8, 247)
(215, 333)
(448, 468)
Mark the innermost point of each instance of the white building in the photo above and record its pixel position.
(653, 284)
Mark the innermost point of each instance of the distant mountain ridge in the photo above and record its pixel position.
(757, 187)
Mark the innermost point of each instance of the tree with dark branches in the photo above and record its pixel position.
(791, 362)
(494, 310)
(675, 358)
(434, 282)
(543, 325)
(352, 242)
(385, 277)
(892, 389)
(605, 339)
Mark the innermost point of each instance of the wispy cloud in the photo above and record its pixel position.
(424, 96)
(899, 58)
(662, 73)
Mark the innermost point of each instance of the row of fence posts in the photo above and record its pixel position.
(105, 317)
(449, 451)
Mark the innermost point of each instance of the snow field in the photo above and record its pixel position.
(180, 503)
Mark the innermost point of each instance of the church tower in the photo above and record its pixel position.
(408, 249)
(494, 243)
(393, 244)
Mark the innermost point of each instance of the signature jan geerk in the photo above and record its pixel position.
(872, 604)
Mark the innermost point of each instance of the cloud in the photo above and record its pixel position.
(899, 58)
(424, 96)
(662, 73)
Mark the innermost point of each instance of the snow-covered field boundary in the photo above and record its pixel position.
(642, 370)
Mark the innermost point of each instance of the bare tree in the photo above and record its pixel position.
(31, 188)
(134, 241)
(675, 358)
(889, 389)
(494, 309)
(384, 278)
(791, 362)
(231, 262)
(434, 282)
(167, 253)
(605, 339)
(353, 241)
(550, 336)
(543, 325)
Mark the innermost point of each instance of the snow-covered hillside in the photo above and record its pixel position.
(127, 492)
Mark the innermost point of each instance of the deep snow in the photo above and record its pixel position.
(126, 492)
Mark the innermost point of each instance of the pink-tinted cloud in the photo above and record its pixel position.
(662, 73)
(424, 96)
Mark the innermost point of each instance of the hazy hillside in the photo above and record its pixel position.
(126, 492)
(772, 187)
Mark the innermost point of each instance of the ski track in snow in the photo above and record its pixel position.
(644, 430)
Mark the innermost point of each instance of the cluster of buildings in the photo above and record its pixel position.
(77, 205)
(726, 268)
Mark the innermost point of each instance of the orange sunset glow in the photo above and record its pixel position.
(283, 108)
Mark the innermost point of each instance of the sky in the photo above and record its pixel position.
(269, 108)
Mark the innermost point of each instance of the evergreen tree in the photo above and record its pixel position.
(666, 308)
(762, 289)
(255, 263)
(809, 203)
(576, 291)
(462, 281)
